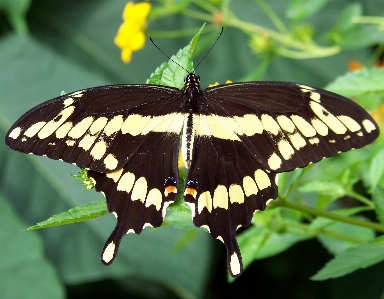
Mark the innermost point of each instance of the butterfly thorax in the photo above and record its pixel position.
(192, 92)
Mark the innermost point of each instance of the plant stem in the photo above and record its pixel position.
(329, 215)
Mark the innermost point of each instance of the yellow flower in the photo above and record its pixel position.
(130, 36)
(217, 83)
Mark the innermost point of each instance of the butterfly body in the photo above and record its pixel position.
(235, 139)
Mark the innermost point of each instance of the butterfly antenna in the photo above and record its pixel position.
(222, 28)
(170, 58)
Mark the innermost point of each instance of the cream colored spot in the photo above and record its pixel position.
(305, 88)
(154, 198)
(236, 194)
(314, 140)
(32, 130)
(63, 130)
(108, 253)
(171, 123)
(319, 126)
(274, 161)
(332, 141)
(126, 182)
(70, 142)
(87, 141)
(269, 124)
(249, 124)
(80, 128)
(285, 149)
(192, 207)
(347, 137)
(139, 190)
(131, 231)
(204, 201)
(304, 127)
(277, 179)
(235, 264)
(315, 96)
(113, 125)
(217, 126)
(220, 238)
(297, 141)
(220, 197)
(110, 162)
(262, 179)
(67, 102)
(98, 125)
(115, 214)
(115, 175)
(134, 124)
(77, 94)
(359, 134)
(165, 206)
(329, 119)
(249, 186)
(15, 133)
(350, 123)
(52, 125)
(98, 150)
(368, 125)
(286, 124)
(147, 224)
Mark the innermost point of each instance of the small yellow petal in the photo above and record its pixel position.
(126, 55)
(137, 11)
(137, 41)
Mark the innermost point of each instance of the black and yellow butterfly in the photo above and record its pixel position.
(235, 139)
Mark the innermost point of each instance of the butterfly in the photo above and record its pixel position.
(234, 139)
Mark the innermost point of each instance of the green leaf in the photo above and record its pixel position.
(324, 186)
(358, 83)
(353, 259)
(302, 9)
(376, 169)
(78, 214)
(378, 199)
(338, 236)
(25, 270)
(16, 11)
(172, 73)
(362, 36)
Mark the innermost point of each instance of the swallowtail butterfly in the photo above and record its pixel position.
(234, 139)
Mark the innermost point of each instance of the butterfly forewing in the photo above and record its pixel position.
(236, 139)
(98, 128)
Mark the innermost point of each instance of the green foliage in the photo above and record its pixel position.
(71, 47)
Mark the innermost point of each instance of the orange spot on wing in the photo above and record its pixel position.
(170, 189)
(190, 191)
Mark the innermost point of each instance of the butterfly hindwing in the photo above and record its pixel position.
(225, 186)
(139, 193)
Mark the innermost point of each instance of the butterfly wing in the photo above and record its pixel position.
(247, 133)
(97, 128)
(127, 136)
